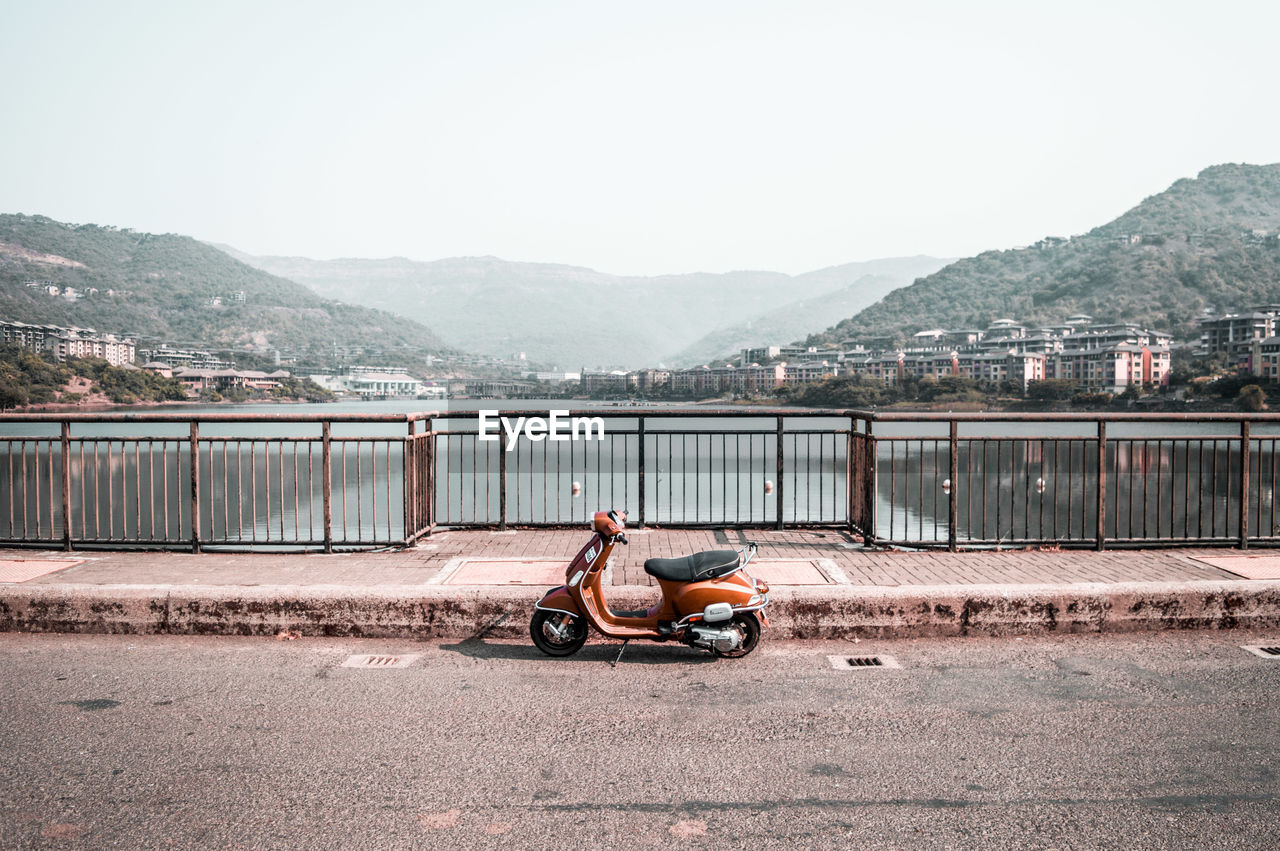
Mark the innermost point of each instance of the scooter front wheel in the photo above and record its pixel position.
(558, 633)
(748, 628)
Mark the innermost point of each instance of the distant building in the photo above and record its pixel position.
(381, 385)
(808, 372)
(223, 380)
(610, 382)
(1230, 333)
(1096, 357)
(62, 343)
(188, 358)
(114, 350)
(372, 382)
(647, 380)
(761, 354)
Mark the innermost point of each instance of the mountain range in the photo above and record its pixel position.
(570, 317)
(1206, 244)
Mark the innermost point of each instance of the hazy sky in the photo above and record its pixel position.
(635, 138)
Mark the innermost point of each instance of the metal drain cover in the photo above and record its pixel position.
(862, 663)
(1266, 651)
(380, 660)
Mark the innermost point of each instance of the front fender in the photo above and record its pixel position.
(559, 600)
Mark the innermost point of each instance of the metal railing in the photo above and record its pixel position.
(1120, 480)
(362, 481)
(670, 467)
(120, 481)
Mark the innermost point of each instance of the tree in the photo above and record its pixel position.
(1251, 398)
(1051, 389)
(11, 395)
(844, 391)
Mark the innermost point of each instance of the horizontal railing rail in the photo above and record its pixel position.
(953, 480)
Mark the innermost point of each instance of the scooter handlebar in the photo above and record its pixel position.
(620, 538)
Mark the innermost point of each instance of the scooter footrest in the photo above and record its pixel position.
(639, 613)
(665, 627)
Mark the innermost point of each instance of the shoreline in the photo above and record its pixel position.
(100, 404)
(106, 407)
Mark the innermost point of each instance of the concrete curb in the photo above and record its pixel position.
(504, 611)
(953, 610)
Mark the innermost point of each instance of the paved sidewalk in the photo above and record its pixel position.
(463, 584)
(854, 565)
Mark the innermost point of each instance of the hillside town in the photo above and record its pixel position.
(1096, 357)
(203, 373)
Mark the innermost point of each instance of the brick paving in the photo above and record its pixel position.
(830, 548)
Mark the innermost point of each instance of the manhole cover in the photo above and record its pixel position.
(24, 569)
(1250, 567)
(1266, 651)
(781, 571)
(380, 660)
(863, 663)
(507, 571)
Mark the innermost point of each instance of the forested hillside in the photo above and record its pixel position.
(174, 288)
(1208, 243)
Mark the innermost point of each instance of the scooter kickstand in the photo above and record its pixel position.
(615, 662)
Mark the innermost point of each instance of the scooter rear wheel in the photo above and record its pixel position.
(558, 633)
(749, 628)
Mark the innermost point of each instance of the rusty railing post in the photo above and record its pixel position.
(502, 486)
(429, 477)
(849, 485)
(777, 488)
(640, 434)
(195, 486)
(326, 483)
(1101, 532)
(953, 501)
(870, 483)
(66, 485)
(1244, 484)
(409, 478)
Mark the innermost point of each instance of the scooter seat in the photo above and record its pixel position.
(694, 568)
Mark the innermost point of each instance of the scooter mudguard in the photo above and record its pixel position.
(559, 600)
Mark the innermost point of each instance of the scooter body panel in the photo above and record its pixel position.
(583, 586)
(691, 598)
(559, 600)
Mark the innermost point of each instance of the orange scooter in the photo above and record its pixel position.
(708, 600)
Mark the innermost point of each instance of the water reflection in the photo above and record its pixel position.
(1013, 490)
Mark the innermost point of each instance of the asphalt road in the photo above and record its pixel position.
(1142, 741)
